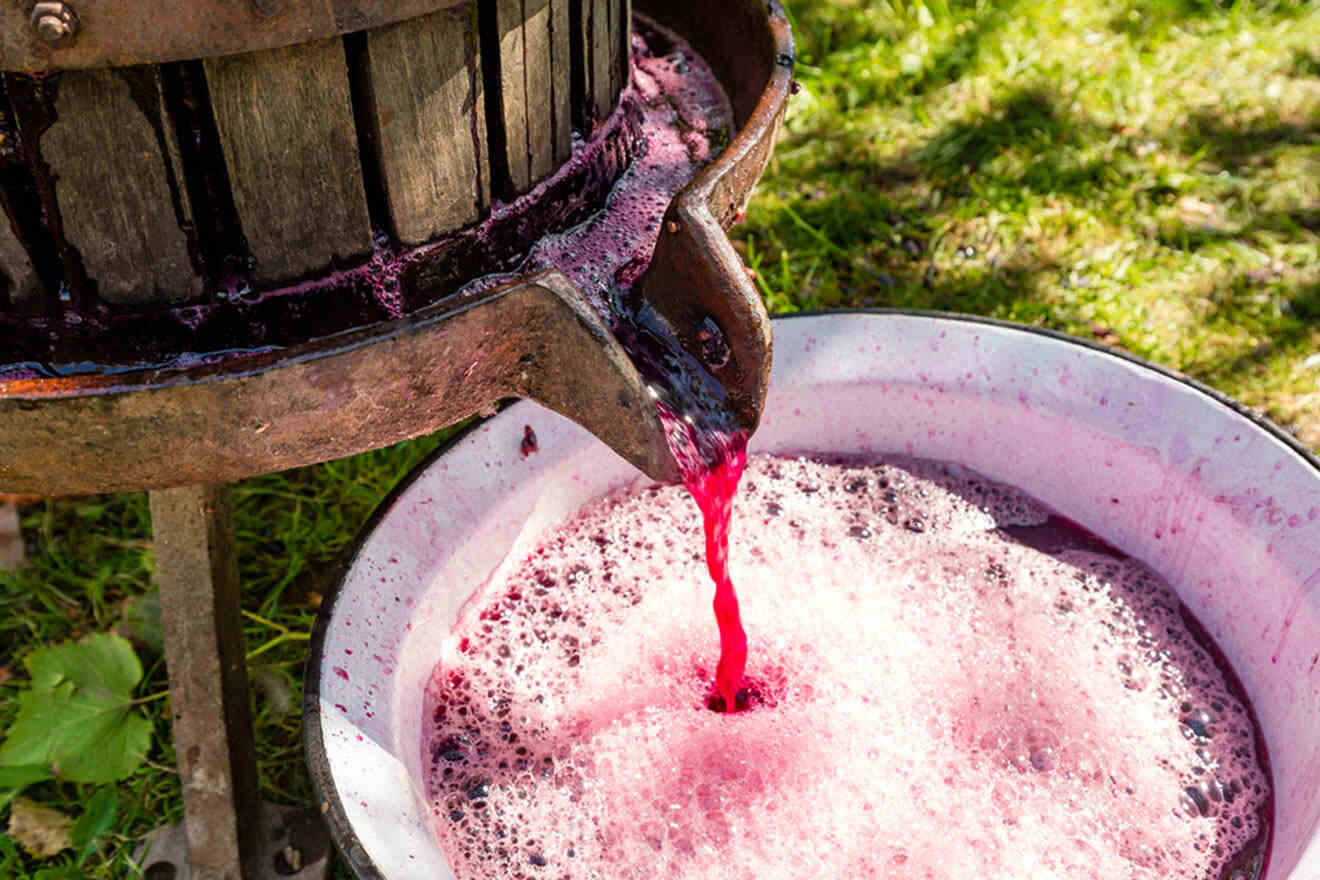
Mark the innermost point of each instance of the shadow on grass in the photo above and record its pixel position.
(1233, 146)
(1189, 237)
(1242, 149)
(1305, 64)
(894, 211)
(1028, 121)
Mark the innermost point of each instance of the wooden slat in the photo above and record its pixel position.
(602, 44)
(623, 63)
(286, 125)
(539, 79)
(117, 32)
(113, 157)
(23, 283)
(513, 91)
(561, 65)
(428, 109)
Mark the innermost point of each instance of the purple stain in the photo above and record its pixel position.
(341, 672)
(529, 443)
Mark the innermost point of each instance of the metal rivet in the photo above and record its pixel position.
(56, 23)
(672, 227)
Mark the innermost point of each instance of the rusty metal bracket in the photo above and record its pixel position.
(366, 388)
(695, 273)
(533, 338)
(112, 33)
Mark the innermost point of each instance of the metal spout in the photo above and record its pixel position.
(699, 286)
(535, 337)
(570, 362)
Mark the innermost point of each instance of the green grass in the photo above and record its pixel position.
(89, 557)
(1146, 174)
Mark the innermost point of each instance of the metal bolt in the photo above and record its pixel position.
(55, 23)
(713, 345)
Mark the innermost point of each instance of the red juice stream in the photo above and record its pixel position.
(712, 479)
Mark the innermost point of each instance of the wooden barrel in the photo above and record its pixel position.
(168, 182)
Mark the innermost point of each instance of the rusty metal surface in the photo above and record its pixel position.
(695, 271)
(375, 386)
(212, 718)
(110, 33)
(535, 338)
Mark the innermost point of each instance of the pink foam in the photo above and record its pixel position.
(935, 699)
(685, 115)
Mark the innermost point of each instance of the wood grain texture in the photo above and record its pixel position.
(602, 57)
(513, 91)
(118, 182)
(561, 90)
(538, 71)
(119, 32)
(623, 63)
(428, 113)
(23, 287)
(286, 125)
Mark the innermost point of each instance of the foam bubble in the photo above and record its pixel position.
(942, 702)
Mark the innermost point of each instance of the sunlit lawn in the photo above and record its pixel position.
(1146, 175)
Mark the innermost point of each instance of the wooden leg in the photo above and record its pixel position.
(227, 832)
(11, 536)
(199, 600)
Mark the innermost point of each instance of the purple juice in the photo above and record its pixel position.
(686, 119)
(934, 697)
(598, 213)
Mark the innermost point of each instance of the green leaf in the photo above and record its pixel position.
(63, 872)
(77, 718)
(95, 822)
(23, 775)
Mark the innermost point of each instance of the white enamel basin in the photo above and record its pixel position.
(1221, 503)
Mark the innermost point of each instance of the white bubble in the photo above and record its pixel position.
(927, 708)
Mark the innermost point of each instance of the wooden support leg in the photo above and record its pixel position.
(11, 536)
(199, 603)
(229, 833)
